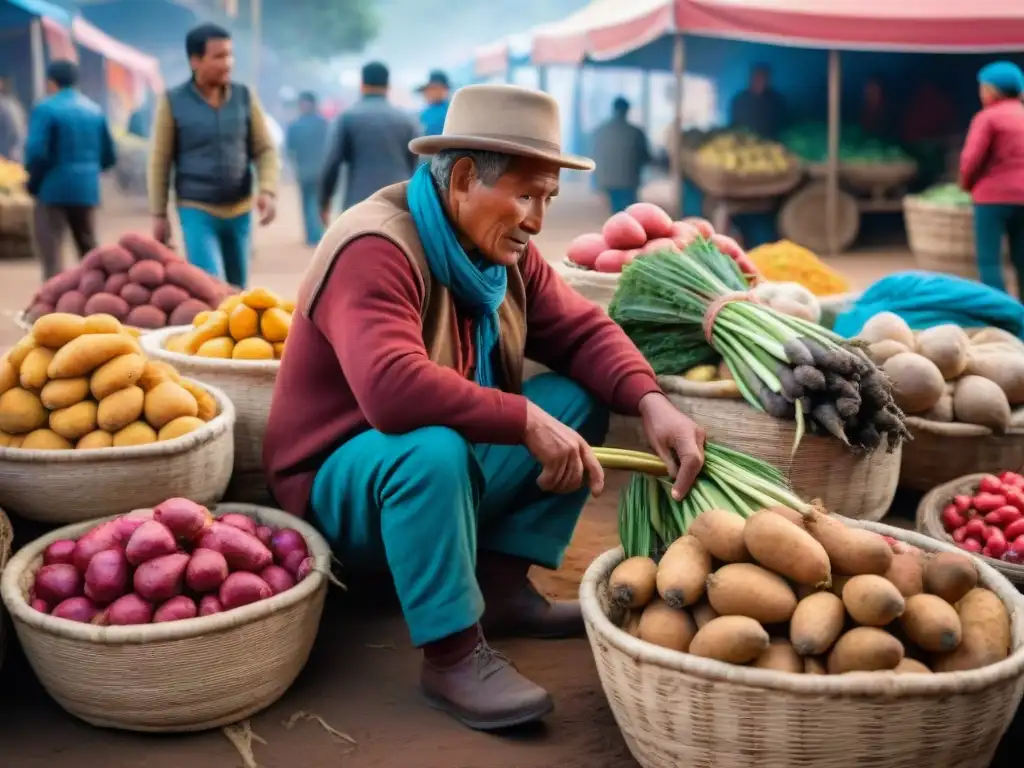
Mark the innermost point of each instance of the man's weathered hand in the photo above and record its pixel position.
(161, 229)
(676, 438)
(566, 459)
(266, 206)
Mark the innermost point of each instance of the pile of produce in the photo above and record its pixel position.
(786, 261)
(138, 280)
(169, 563)
(744, 154)
(948, 195)
(810, 142)
(682, 312)
(802, 593)
(642, 228)
(991, 522)
(12, 175)
(942, 374)
(83, 382)
(252, 325)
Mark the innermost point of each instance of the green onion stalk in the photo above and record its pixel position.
(689, 309)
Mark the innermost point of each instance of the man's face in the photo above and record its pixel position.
(435, 94)
(500, 220)
(215, 65)
(306, 107)
(759, 81)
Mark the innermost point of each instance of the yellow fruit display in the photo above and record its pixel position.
(12, 175)
(252, 325)
(84, 384)
(744, 154)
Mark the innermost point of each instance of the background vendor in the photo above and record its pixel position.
(759, 109)
(621, 151)
(992, 170)
(875, 116)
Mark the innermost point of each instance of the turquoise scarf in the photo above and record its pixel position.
(477, 285)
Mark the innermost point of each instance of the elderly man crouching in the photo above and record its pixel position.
(400, 419)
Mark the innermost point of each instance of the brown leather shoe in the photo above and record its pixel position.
(484, 691)
(527, 613)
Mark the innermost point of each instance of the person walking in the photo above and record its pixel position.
(621, 151)
(68, 146)
(992, 170)
(437, 93)
(12, 124)
(371, 139)
(210, 131)
(305, 144)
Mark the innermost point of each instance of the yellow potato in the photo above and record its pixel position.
(253, 348)
(119, 409)
(123, 371)
(166, 402)
(179, 343)
(157, 372)
(33, 368)
(45, 440)
(216, 325)
(61, 393)
(21, 411)
(103, 323)
(260, 298)
(136, 433)
(228, 305)
(179, 426)
(57, 329)
(278, 350)
(275, 324)
(243, 322)
(201, 318)
(85, 354)
(221, 347)
(97, 439)
(8, 375)
(205, 402)
(17, 354)
(75, 421)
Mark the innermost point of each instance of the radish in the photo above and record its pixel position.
(623, 232)
(963, 503)
(1014, 530)
(996, 544)
(653, 219)
(975, 527)
(584, 250)
(972, 545)
(960, 534)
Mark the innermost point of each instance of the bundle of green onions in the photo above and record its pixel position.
(684, 310)
(650, 519)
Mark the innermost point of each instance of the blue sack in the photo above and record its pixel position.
(927, 299)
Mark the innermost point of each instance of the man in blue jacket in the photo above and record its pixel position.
(306, 144)
(69, 145)
(437, 93)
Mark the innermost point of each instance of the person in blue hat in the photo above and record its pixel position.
(992, 170)
(437, 92)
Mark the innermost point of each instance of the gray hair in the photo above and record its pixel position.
(490, 166)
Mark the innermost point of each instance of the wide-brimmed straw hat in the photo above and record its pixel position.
(503, 118)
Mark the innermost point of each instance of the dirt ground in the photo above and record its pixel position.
(362, 676)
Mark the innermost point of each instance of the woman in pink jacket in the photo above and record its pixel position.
(992, 170)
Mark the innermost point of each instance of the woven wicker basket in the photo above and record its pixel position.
(178, 676)
(849, 484)
(941, 237)
(803, 218)
(6, 541)
(675, 709)
(250, 386)
(941, 452)
(598, 287)
(876, 178)
(718, 182)
(929, 520)
(61, 487)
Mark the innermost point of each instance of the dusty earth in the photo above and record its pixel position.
(361, 678)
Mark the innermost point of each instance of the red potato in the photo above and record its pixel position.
(150, 540)
(1012, 478)
(115, 283)
(584, 250)
(286, 541)
(963, 503)
(144, 247)
(623, 232)
(703, 226)
(653, 219)
(104, 536)
(975, 528)
(76, 609)
(92, 282)
(277, 578)
(683, 234)
(1014, 530)
(58, 582)
(209, 605)
(107, 576)
(39, 605)
(960, 535)
(243, 588)
(60, 284)
(107, 304)
(952, 519)
(185, 312)
(292, 562)
(241, 522)
(735, 251)
(660, 244)
(1014, 497)
(127, 610)
(194, 280)
(185, 519)
(988, 502)
(972, 545)
(611, 261)
(169, 297)
(116, 259)
(161, 578)
(990, 484)
(71, 302)
(176, 609)
(242, 551)
(206, 571)
(147, 317)
(305, 568)
(130, 523)
(264, 533)
(135, 295)
(61, 551)
(147, 273)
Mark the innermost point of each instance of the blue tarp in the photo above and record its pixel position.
(17, 13)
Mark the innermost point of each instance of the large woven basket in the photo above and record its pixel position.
(598, 287)
(60, 487)
(849, 484)
(803, 218)
(16, 215)
(877, 178)
(929, 520)
(941, 452)
(941, 237)
(250, 386)
(675, 709)
(177, 676)
(730, 185)
(6, 541)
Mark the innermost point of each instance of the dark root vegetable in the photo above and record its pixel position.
(791, 389)
(826, 416)
(61, 551)
(809, 378)
(76, 609)
(176, 609)
(127, 610)
(797, 353)
(106, 578)
(58, 582)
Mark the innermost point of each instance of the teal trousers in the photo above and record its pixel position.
(422, 504)
(991, 224)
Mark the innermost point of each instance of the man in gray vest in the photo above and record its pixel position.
(371, 139)
(621, 152)
(211, 131)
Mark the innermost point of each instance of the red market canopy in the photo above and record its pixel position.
(97, 41)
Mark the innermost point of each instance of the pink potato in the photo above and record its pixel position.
(150, 540)
(305, 568)
(286, 541)
(703, 226)
(661, 244)
(241, 522)
(584, 250)
(735, 251)
(72, 302)
(104, 536)
(115, 283)
(58, 582)
(60, 284)
(127, 610)
(623, 232)
(292, 562)
(243, 588)
(176, 609)
(92, 282)
(130, 523)
(264, 534)
(116, 259)
(611, 261)
(206, 571)
(61, 551)
(134, 294)
(107, 576)
(161, 578)
(277, 578)
(209, 605)
(39, 605)
(242, 551)
(185, 312)
(76, 609)
(186, 519)
(652, 218)
(168, 297)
